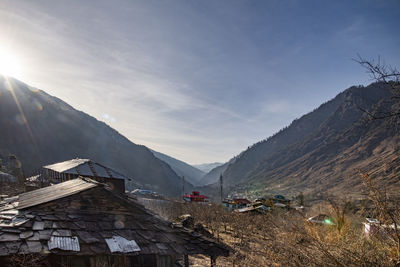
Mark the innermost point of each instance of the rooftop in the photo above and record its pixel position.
(84, 167)
(82, 217)
(47, 194)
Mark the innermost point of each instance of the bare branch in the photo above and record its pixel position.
(378, 70)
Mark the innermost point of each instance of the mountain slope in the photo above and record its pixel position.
(191, 174)
(53, 131)
(213, 175)
(207, 167)
(321, 151)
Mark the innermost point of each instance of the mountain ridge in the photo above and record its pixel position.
(50, 130)
(207, 167)
(181, 168)
(290, 160)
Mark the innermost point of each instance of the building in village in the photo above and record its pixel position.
(195, 197)
(235, 203)
(277, 201)
(281, 200)
(260, 205)
(82, 222)
(321, 219)
(71, 169)
(373, 227)
(254, 207)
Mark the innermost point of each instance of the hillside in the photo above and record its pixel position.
(53, 131)
(323, 150)
(207, 167)
(191, 174)
(213, 175)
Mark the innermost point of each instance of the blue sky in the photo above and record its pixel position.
(197, 80)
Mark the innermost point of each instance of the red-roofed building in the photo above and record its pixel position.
(195, 197)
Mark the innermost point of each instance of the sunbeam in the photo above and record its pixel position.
(10, 64)
(22, 116)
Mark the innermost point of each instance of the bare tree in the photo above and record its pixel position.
(388, 211)
(378, 70)
(381, 72)
(340, 209)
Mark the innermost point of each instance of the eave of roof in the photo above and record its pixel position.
(47, 194)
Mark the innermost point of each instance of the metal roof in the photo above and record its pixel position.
(66, 165)
(119, 244)
(50, 193)
(84, 167)
(64, 243)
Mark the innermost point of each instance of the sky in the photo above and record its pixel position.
(197, 80)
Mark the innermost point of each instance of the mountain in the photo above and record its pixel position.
(321, 152)
(41, 129)
(192, 174)
(207, 167)
(213, 175)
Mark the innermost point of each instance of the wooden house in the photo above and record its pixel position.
(82, 222)
(71, 169)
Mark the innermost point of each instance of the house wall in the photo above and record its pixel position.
(89, 261)
(112, 261)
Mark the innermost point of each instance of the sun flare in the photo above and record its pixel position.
(9, 64)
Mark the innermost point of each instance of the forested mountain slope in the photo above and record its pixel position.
(41, 129)
(324, 149)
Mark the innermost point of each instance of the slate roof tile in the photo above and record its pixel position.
(93, 215)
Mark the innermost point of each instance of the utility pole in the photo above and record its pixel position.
(183, 187)
(221, 184)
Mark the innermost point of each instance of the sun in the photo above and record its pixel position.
(9, 64)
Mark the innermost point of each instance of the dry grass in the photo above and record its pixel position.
(283, 238)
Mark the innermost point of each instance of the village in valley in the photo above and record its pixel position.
(79, 212)
(186, 133)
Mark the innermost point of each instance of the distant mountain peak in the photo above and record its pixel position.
(207, 167)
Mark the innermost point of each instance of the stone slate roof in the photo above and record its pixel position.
(84, 167)
(49, 193)
(82, 217)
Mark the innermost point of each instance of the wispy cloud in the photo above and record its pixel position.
(199, 80)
